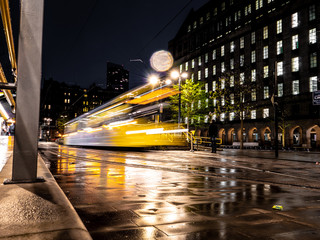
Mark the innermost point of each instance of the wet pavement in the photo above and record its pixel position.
(189, 195)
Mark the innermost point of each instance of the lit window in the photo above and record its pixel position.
(231, 63)
(253, 95)
(206, 72)
(68, 100)
(313, 60)
(207, 102)
(295, 64)
(265, 92)
(186, 66)
(295, 42)
(223, 102)
(206, 87)
(265, 71)
(253, 75)
(253, 114)
(223, 6)
(231, 116)
(279, 68)
(231, 98)
(206, 57)
(49, 107)
(265, 52)
(253, 56)
(313, 83)
(280, 89)
(265, 32)
(222, 117)
(199, 75)
(295, 87)
(241, 60)
(247, 10)
(214, 102)
(192, 63)
(189, 28)
(223, 67)
(192, 77)
(232, 46)
(199, 61)
(312, 12)
(259, 4)
(222, 51)
(65, 100)
(312, 35)
(214, 54)
(279, 26)
(294, 20)
(241, 78)
(208, 16)
(253, 38)
(181, 68)
(214, 85)
(201, 20)
(279, 47)
(194, 24)
(265, 112)
(223, 83)
(214, 70)
(242, 42)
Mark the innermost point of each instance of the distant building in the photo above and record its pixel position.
(117, 78)
(61, 102)
(253, 37)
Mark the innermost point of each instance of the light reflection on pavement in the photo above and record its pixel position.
(183, 195)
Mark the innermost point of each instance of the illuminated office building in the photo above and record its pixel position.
(254, 38)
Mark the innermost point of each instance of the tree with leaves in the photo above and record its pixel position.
(233, 93)
(194, 102)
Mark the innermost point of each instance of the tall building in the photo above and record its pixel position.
(117, 78)
(61, 102)
(256, 39)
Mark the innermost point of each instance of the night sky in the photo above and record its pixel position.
(80, 36)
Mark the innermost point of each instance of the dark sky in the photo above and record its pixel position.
(80, 36)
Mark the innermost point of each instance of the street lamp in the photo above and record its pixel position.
(177, 75)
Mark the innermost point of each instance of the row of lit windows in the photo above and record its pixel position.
(232, 115)
(294, 23)
(295, 62)
(313, 86)
(47, 107)
(237, 14)
(279, 50)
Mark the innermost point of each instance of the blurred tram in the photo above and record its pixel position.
(129, 120)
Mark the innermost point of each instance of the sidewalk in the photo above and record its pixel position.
(300, 156)
(36, 210)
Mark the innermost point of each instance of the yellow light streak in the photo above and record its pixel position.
(6, 21)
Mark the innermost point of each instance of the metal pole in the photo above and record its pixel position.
(25, 154)
(179, 113)
(275, 104)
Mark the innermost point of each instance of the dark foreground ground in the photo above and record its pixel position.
(190, 195)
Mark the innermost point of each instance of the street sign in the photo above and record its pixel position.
(316, 97)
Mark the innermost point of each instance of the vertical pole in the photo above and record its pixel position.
(179, 112)
(25, 152)
(275, 104)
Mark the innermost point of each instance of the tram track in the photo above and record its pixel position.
(199, 170)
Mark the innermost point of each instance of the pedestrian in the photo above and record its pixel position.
(213, 132)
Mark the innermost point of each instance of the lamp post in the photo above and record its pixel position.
(177, 75)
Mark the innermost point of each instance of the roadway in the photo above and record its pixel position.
(189, 195)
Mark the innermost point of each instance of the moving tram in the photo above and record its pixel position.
(129, 120)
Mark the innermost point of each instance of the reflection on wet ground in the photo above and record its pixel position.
(183, 195)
